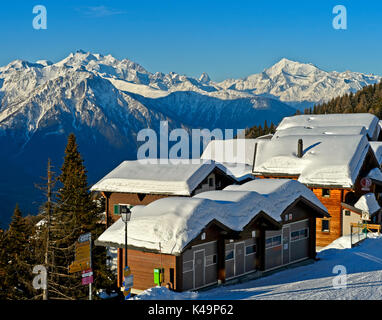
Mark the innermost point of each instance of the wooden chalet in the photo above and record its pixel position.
(334, 167)
(136, 183)
(217, 236)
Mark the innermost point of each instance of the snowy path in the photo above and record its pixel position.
(315, 281)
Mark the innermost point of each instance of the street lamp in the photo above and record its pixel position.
(126, 215)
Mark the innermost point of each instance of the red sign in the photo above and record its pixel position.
(87, 276)
(366, 184)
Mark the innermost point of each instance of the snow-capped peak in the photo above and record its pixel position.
(291, 67)
(300, 84)
(204, 78)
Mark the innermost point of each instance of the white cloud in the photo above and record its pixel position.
(100, 11)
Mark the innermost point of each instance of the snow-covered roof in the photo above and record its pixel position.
(368, 203)
(169, 224)
(377, 148)
(326, 160)
(230, 151)
(233, 156)
(278, 194)
(155, 177)
(331, 130)
(367, 120)
(238, 171)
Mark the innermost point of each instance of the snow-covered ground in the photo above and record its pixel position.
(310, 282)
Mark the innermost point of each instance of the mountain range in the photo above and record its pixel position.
(106, 101)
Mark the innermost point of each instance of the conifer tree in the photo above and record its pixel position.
(74, 214)
(15, 244)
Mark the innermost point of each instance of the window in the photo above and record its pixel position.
(229, 255)
(303, 233)
(326, 193)
(250, 249)
(188, 266)
(203, 236)
(254, 234)
(347, 213)
(290, 216)
(211, 182)
(325, 226)
(121, 208)
(295, 235)
(273, 242)
(299, 234)
(276, 241)
(210, 260)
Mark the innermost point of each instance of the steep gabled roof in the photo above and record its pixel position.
(326, 160)
(172, 179)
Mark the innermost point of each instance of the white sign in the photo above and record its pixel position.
(88, 274)
(85, 237)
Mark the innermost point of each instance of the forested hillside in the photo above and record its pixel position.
(368, 99)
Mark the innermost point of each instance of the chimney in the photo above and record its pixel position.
(299, 148)
(254, 157)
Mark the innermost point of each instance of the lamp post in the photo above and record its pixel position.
(126, 214)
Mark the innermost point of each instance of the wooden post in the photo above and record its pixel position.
(49, 183)
(254, 157)
(221, 260)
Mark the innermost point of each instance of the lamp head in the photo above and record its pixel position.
(125, 213)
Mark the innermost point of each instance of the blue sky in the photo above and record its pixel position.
(226, 39)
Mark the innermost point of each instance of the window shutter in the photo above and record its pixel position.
(116, 209)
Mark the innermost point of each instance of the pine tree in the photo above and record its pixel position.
(75, 213)
(15, 245)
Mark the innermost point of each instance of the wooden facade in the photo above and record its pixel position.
(142, 265)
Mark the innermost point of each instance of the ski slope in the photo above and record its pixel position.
(310, 282)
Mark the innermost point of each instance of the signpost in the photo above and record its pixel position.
(87, 277)
(127, 283)
(83, 261)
